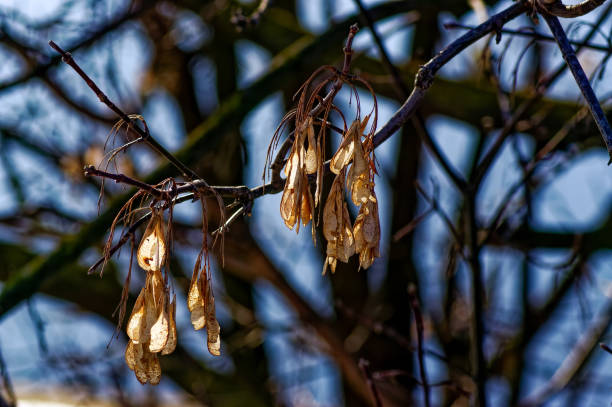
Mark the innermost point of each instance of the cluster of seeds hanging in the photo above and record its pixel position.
(363, 238)
(151, 327)
(353, 163)
(354, 166)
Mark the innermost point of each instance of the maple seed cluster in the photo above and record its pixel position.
(363, 237)
(152, 324)
(297, 203)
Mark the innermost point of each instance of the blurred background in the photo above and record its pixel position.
(212, 85)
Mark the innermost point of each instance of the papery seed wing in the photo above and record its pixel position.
(194, 297)
(214, 337)
(330, 210)
(133, 353)
(159, 332)
(196, 305)
(371, 228)
(287, 207)
(159, 294)
(366, 258)
(152, 368)
(311, 153)
(150, 313)
(360, 161)
(347, 235)
(172, 336)
(140, 368)
(152, 248)
(361, 189)
(213, 329)
(294, 166)
(318, 189)
(343, 156)
(360, 243)
(306, 204)
(134, 325)
(331, 262)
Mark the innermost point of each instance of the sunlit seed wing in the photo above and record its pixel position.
(311, 153)
(133, 353)
(134, 325)
(214, 337)
(196, 305)
(159, 333)
(172, 337)
(151, 253)
(152, 368)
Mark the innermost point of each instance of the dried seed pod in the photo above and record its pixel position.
(172, 337)
(152, 248)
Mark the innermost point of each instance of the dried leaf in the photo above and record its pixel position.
(152, 248)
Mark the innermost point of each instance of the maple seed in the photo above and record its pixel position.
(337, 225)
(195, 303)
(151, 329)
(367, 233)
(201, 304)
(152, 249)
(172, 337)
(344, 155)
(134, 324)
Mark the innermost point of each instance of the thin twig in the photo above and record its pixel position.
(90, 170)
(241, 21)
(403, 91)
(581, 80)
(425, 76)
(364, 365)
(530, 33)
(557, 8)
(146, 136)
(6, 384)
(418, 318)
